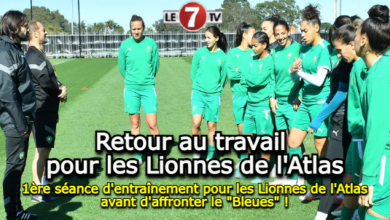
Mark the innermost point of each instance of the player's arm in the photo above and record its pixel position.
(8, 93)
(194, 65)
(156, 59)
(330, 106)
(233, 72)
(315, 79)
(26, 90)
(224, 73)
(377, 128)
(122, 59)
(272, 84)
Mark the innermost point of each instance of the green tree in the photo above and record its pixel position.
(159, 26)
(119, 29)
(149, 30)
(236, 11)
(286, 9)
(112, 25)
(325, 27)
(83, 27)
(47, 17)
(96, 27)
(53, 29)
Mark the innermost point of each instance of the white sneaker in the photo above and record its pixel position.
(273, 172)
(283, 181)
(337, 211)
(309, 197)
(237, 166)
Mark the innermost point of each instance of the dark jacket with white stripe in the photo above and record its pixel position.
(45, 81)
(17, 96)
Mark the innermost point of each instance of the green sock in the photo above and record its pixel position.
(319, 178)
(243, 156)
(295, 151)
(346, 213)
(362, 212)
(210, 152)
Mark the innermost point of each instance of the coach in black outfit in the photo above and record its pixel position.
(49, 92)
(17, 108)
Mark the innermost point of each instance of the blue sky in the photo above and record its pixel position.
(151, 10)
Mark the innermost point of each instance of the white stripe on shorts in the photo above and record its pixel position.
(383, 168)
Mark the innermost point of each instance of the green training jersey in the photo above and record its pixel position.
(257, 78)
(138, 62)
(334, 59)
(208, 71)
(281, 85)
(355, 118)
(236, 60)
(375, 99)
(314, 58)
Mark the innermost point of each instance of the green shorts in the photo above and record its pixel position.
(239, 106)
(257, 119)
(353, 162)
(134, 98)
(381, 197)
(206, 105)
(306, 114)
(285, 115)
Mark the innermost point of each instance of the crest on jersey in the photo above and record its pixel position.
(289, 56)
(238, 56)
(315, 59)
(260, 67)
(252, 54)
(219, 61)
(251, 64)
(148, 49)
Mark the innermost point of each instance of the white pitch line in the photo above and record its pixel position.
(63, 62)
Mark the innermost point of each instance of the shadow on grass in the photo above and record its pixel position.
(47, 210)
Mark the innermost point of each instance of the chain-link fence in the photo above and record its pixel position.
(107, 45)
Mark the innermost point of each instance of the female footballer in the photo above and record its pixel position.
(284, 91)
(237, 58)
(257, 119)
(311, 71)
(371, 43)
(208, 76)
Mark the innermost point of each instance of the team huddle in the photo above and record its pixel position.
(337, 90)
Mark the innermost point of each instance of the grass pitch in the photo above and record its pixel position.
(95, 102)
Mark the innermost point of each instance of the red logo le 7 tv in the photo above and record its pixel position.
(192, 16)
